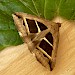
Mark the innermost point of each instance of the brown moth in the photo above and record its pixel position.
(41, 36)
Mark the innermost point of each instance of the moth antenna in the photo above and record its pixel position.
(41, 35)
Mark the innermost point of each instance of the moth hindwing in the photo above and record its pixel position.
(41, 36)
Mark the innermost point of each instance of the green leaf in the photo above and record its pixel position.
(9, 38)
(47, 9)
(67, 9)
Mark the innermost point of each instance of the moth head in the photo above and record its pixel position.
(55, 27)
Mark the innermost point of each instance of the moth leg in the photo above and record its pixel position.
(41, 58)
(41, 35)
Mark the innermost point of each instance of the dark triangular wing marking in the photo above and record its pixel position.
(32, 26)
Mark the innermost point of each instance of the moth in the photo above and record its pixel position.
(41, 36)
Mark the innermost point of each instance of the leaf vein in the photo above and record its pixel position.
(35, 7)
(27, 6)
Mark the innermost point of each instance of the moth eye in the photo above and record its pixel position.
(32, 26)
(46, 47)
(49, 38)
(41, 26)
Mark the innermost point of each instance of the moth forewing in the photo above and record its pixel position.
(33, 39)
(32, 17)
(21, 28)
(26, 25)
(19, 24)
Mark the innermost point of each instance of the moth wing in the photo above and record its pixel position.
(19, 24)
